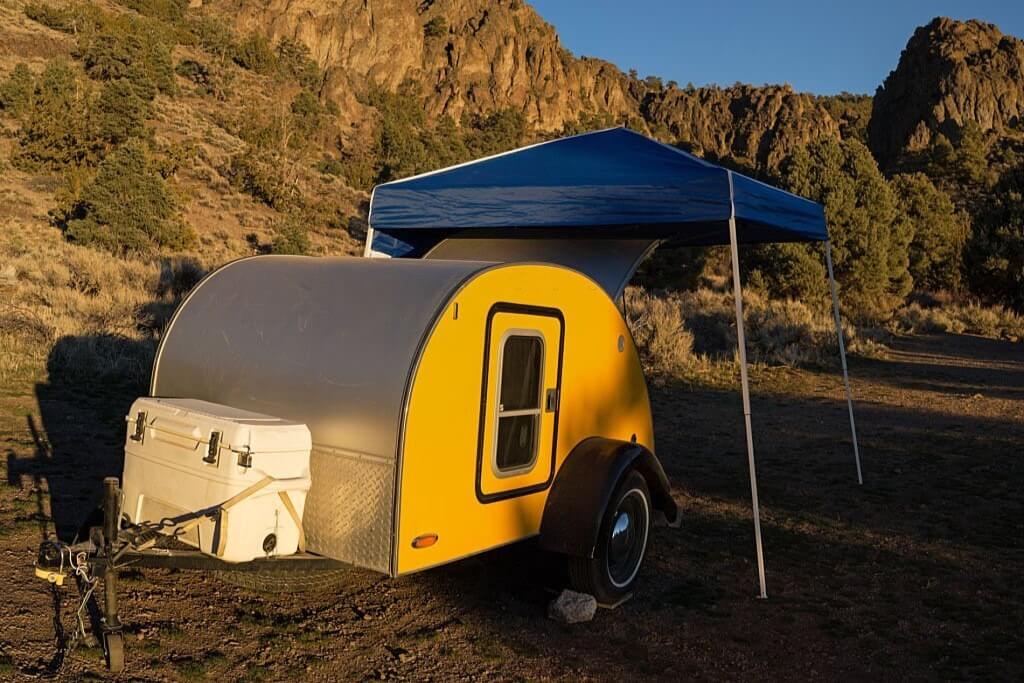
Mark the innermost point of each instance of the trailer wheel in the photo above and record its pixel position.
(621, 545)
(113, 648)
(285, 581)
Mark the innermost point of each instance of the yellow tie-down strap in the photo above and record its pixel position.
(238, 498)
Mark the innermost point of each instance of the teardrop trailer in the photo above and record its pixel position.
(477, 389)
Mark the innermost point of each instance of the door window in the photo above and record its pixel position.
(519, 405)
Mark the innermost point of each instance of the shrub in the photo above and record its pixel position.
(127, 208)
(167, 159)
(496, 132)
(786, 332)
(683, 329)
(128, 50)
(293, 60)
(165, 10)
(58, 18)
(330, 166)
(195, 72)
(95, 306)
(178, 276)
(917, 319)
(59, 127)
(16, 90)
(263, 176)
(657, 326)
(279, 125)
(254, 53)
(972, 318)
(435, 28)
(290, 237)
(982, 320)
(213, 36)
(307, 113)
(122, 113)
(361, 170)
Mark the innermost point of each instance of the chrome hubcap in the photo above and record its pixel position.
(627, 538)
(622, 532)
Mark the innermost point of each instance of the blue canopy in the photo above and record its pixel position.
(612, 183)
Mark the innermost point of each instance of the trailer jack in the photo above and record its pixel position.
(56, 562)
(118, 544)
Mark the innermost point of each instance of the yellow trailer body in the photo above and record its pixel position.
(451, 485)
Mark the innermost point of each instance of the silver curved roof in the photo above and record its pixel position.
(609, 262)
(325, 341)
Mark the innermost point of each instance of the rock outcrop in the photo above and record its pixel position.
(950, 73)
(481, 55)
(475, 55)
(757, 126)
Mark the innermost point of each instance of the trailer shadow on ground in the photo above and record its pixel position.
(914, 575)
(78, 436)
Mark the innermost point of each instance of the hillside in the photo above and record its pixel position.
(254, 126)
(477, 56)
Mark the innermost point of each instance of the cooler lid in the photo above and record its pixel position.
(240, 429)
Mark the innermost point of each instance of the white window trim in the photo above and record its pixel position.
(498, 413)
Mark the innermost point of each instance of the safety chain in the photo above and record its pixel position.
(77, 561)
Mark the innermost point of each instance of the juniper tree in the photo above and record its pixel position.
(936, 251)
(127, 208)
(870, 236)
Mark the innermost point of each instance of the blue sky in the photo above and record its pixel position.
(822, 47)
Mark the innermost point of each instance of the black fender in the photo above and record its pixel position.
(584, 486)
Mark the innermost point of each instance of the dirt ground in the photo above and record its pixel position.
(914, 576)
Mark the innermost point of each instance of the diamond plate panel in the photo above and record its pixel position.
(350, 508)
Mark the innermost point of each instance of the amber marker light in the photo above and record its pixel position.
(424, 541)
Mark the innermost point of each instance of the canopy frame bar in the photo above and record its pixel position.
(741, 344)
(842, 357)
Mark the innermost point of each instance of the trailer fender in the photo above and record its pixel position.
(585, 484)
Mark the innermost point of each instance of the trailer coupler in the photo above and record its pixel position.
(86, 563)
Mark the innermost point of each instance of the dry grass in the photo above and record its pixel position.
(696, 331)
(972, 318)
(80, 313)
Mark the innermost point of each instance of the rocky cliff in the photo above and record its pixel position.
(482, 55)
(950, 73)
(757, 126)
(475, 55)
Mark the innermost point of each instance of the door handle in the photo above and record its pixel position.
(551, 400)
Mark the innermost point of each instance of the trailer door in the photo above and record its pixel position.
(519, 401)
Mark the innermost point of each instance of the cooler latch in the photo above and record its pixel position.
(140, 426)
(214, 450)
(245, 458)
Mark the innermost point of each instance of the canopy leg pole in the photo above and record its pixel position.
(368, 247)
(842, 358)
(742, 345)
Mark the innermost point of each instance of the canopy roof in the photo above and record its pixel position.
(612, 183)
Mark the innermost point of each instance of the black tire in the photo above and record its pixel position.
(286, 581)
(609, 575)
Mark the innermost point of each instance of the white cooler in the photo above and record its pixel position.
(184, 455)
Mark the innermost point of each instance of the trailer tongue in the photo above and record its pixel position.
(116, 545)
(188, 464)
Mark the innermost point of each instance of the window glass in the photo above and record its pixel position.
(519, 406)
(520, 373)
(517, 439)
